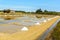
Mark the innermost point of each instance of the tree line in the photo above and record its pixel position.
(38, 11)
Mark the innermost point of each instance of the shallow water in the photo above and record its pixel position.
(14, 28)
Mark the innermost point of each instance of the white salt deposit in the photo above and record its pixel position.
(24, 29)
(44, 21)
(48, 19)
(37, 23)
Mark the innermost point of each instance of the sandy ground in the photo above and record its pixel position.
(32, 34)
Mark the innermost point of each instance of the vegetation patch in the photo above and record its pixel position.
(55, 34)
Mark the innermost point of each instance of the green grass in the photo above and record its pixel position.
(56, 33)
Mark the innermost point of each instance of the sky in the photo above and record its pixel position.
(30, 5)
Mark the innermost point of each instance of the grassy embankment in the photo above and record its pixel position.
(55, 34)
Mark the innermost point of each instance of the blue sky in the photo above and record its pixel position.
(30, 5)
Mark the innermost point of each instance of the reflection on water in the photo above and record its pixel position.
(23, 20)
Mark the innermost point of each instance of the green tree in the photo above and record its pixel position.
(6, 11)
(39, 11)
(45, 11)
